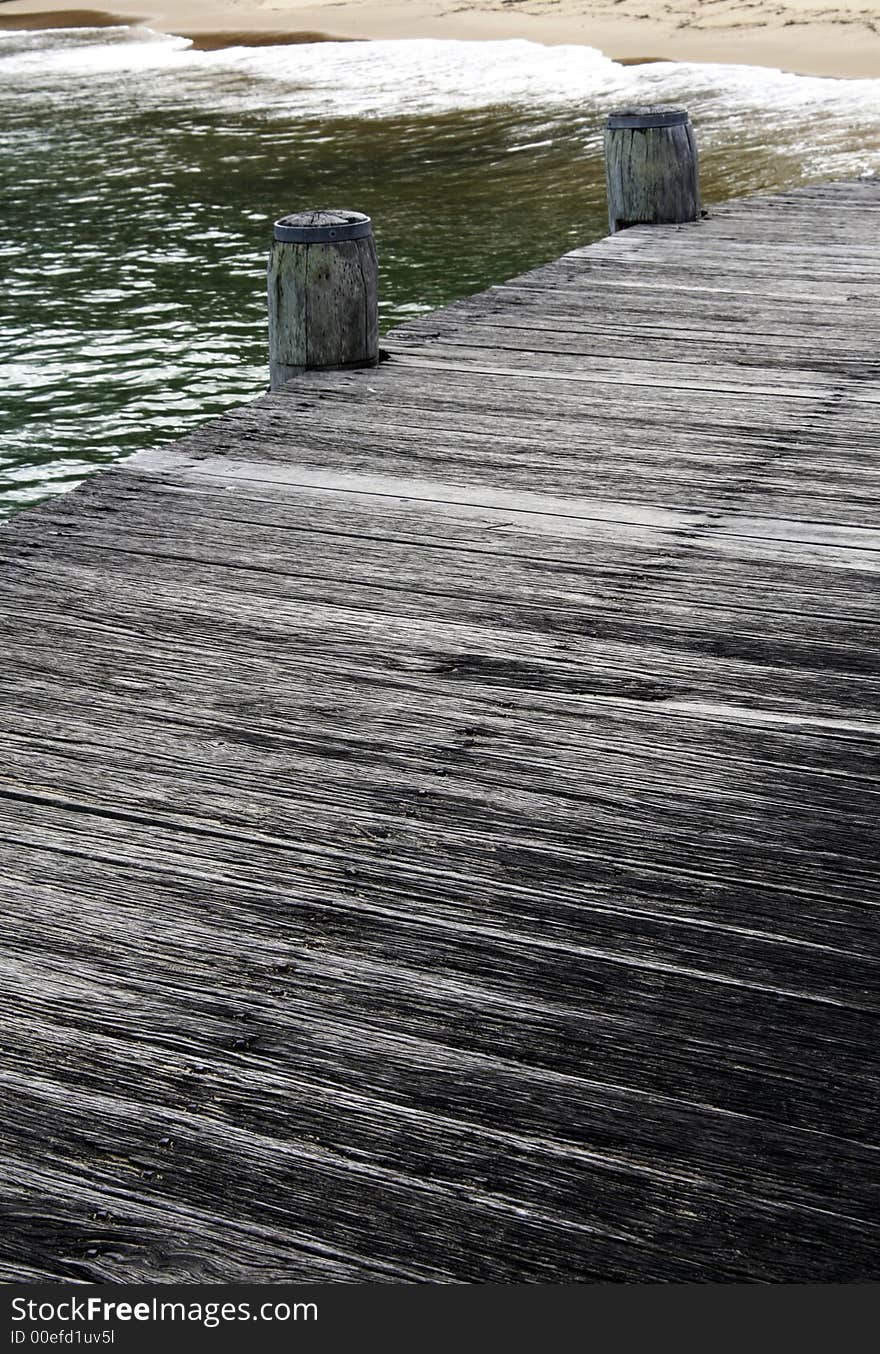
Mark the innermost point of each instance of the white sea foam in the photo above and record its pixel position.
(828, 127)
(430, 76)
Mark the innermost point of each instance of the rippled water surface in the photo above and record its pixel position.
(140, 179)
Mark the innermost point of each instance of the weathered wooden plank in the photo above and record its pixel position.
(453, 788)
(722, 448)
(537, 591)
(674, 627)
(586, 665)
(769, 348)
(719, 379)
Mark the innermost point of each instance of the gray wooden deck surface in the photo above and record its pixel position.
(438, 803)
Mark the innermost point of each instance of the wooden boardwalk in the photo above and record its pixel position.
(438, 803)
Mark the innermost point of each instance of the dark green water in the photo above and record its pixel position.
(139, 182)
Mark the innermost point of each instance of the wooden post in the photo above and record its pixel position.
(323, 294)
(651, 167)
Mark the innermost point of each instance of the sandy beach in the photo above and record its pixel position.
(816, 37)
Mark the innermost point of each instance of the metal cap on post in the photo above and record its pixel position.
(651, 167)
(323, 294)
(322, 227)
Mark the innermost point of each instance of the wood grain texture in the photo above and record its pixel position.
(439, 802)
(651, 174)
(323, 307)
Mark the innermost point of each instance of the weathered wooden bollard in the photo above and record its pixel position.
(323, 294)
(651, 167)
